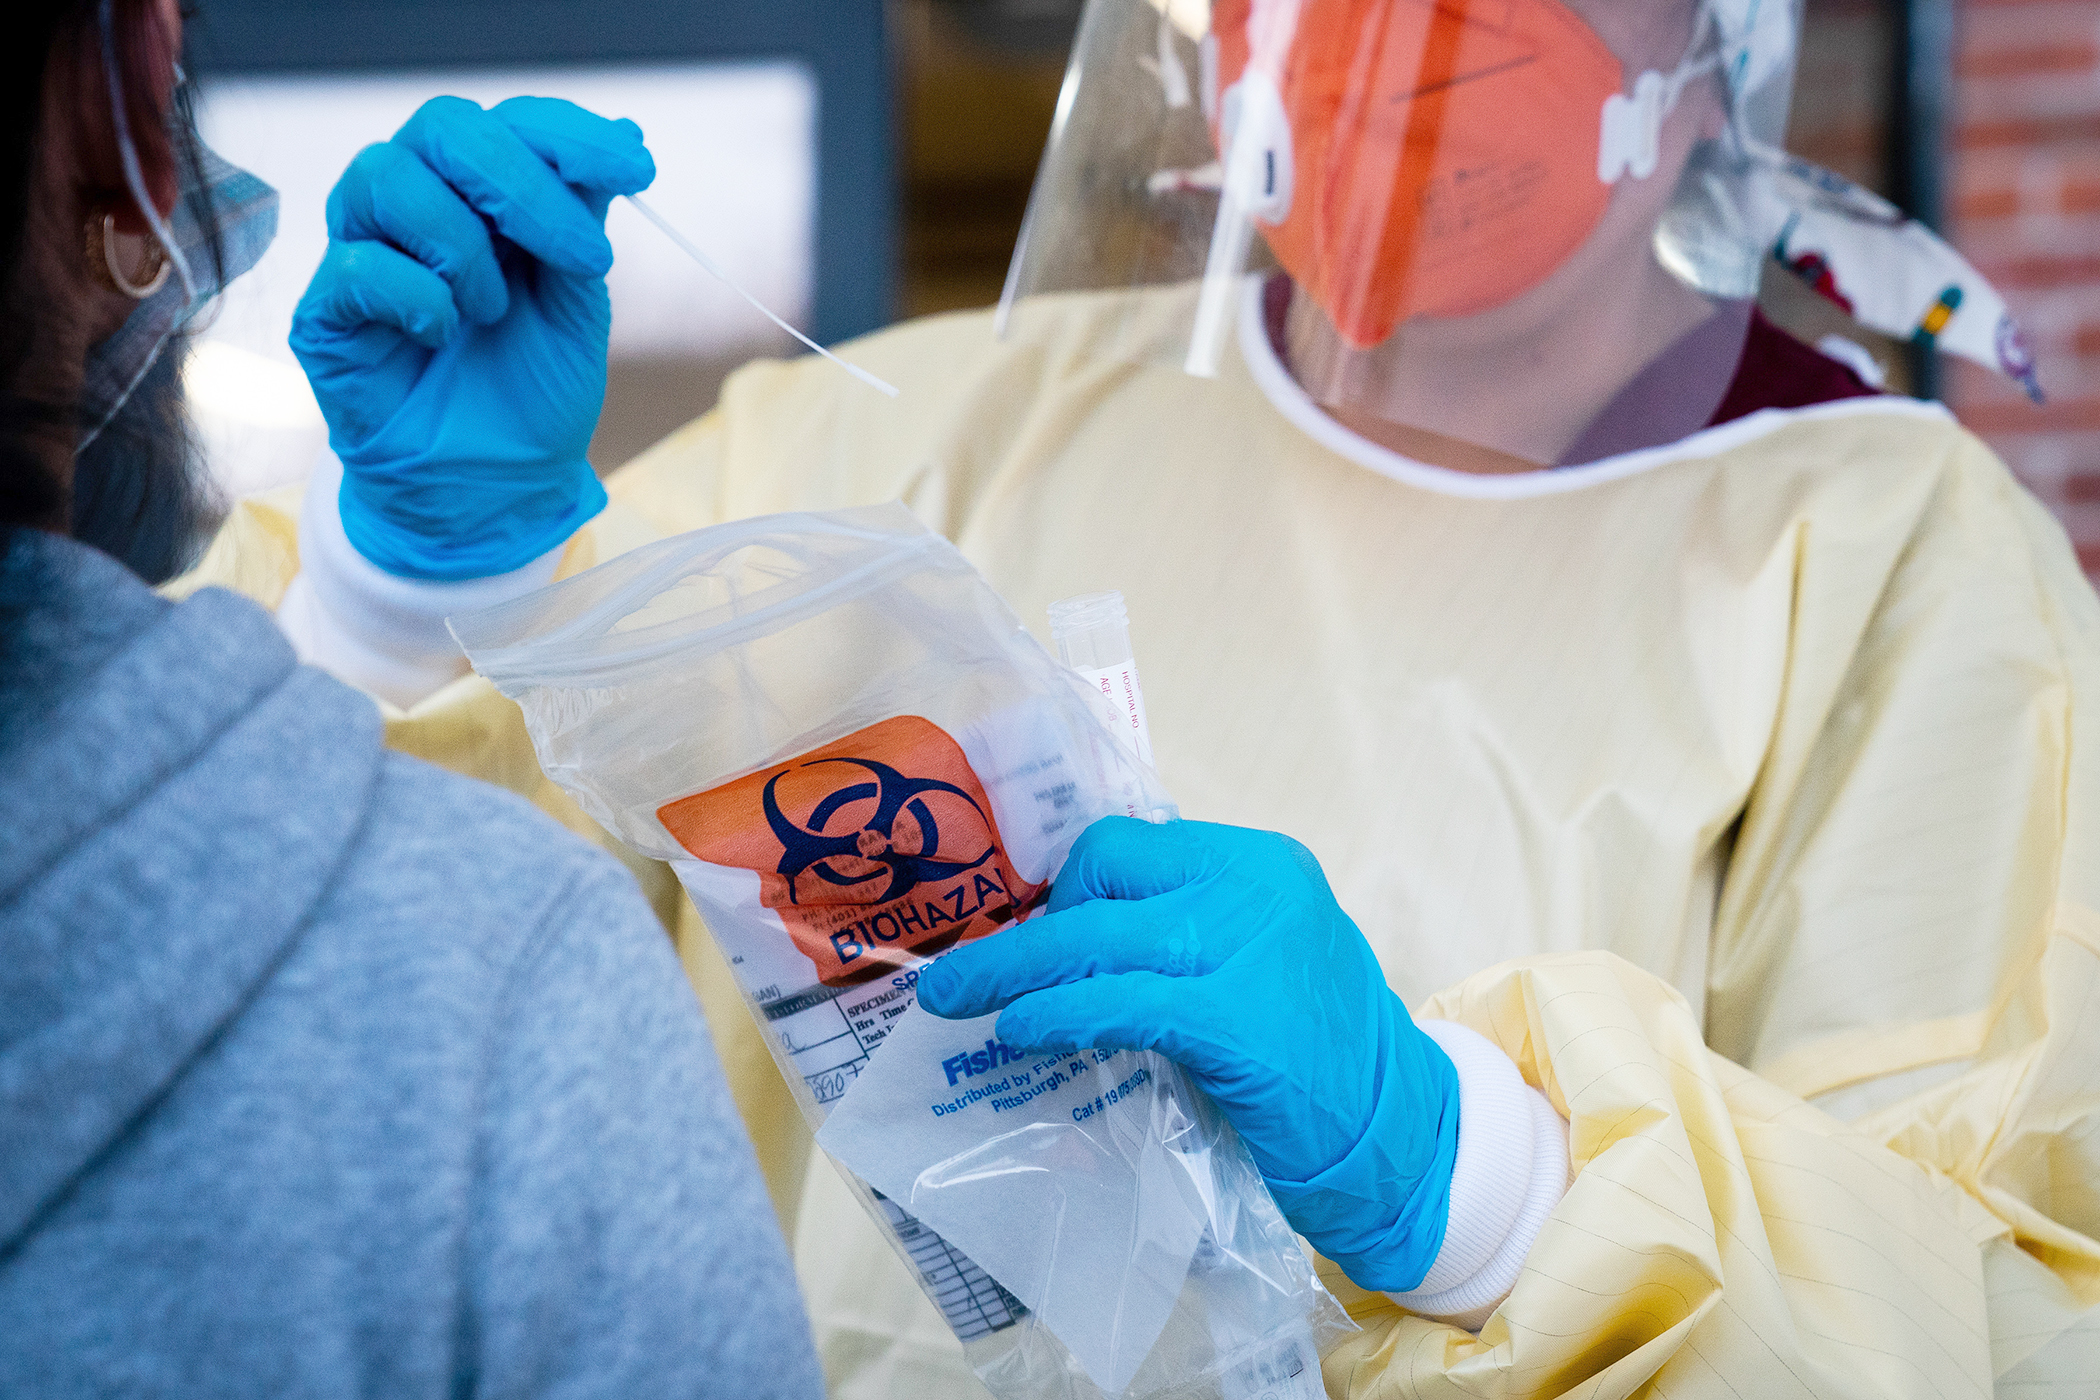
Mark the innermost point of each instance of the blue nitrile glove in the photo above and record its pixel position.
(455, 332)
(1224, 950)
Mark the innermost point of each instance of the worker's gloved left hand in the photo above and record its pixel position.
(1224, 950)
(456, 331)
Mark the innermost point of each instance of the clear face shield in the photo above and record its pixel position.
(1457, 224)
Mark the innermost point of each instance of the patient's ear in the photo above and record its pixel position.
(80, 119)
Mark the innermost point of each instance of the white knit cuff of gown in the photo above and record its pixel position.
(381, 633)
(1511, 1170)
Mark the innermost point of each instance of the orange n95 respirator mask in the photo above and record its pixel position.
(1413, 158)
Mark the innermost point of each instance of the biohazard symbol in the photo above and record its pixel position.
(875, 850)
(847, 844)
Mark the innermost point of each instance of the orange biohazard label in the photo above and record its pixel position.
(879, 845)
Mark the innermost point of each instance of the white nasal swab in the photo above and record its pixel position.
(693, 251)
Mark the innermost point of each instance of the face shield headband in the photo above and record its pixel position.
(224, 218)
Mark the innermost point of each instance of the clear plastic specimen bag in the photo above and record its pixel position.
(856, 757)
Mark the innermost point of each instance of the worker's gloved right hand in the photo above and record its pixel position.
(455, 334)
(1224, 950)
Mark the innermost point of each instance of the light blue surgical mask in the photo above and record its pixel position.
(213, 192)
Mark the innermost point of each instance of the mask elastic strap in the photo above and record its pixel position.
(134, 175)
(1629, 135)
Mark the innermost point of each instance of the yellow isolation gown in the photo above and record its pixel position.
(1744, 791)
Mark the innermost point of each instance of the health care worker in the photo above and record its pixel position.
(1701, 742)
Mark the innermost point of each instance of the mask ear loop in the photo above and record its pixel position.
(1629, 134)
(1689, 70)
(135, 180)
(134, 175)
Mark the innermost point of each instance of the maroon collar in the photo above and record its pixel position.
(1778, 371)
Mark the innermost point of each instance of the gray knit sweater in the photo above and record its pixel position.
(323, 1072)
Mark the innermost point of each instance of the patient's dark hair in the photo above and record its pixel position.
(137, 491)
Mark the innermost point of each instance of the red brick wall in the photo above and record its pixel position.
(2024, 205)
(1841, 89)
